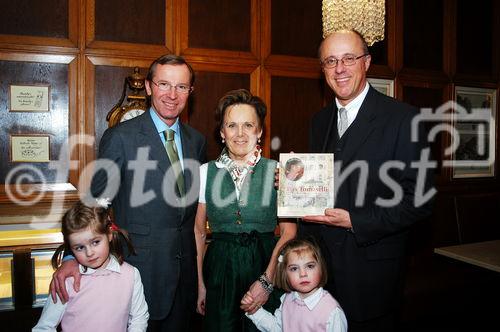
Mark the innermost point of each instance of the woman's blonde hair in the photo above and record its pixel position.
(299, 247)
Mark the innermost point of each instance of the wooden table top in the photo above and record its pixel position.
(484, 254)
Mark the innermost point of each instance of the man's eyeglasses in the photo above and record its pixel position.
(179, 88)
(348, 60)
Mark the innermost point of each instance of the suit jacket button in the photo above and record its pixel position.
(178, 256)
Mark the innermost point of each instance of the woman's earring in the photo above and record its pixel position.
(258, 141)
(223, 140)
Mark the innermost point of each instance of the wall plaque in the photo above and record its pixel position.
(474, 121)
(382, 85)
(29, 98)
(30, 148)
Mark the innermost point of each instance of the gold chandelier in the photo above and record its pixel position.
(365, 16)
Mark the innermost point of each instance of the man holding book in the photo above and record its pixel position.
(363, 237)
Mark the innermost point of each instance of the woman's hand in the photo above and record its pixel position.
(258, 295)
(246, 301)
(200, 303)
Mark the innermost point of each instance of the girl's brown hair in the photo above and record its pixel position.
(300, 247)
(80, 217)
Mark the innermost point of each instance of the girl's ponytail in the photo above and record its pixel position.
(118, 237)
(58, 256)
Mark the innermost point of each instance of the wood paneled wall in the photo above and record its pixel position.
(85, 48)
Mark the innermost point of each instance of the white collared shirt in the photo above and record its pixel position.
(265, 321)
(353, 107)
(53, 313)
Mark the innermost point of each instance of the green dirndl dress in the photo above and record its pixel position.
(240, 248)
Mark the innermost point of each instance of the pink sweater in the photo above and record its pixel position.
(296, 316)
(103, 302)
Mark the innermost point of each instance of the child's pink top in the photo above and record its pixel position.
(103, 302)
(298, 317)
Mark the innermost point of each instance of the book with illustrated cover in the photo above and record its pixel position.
(305, 184)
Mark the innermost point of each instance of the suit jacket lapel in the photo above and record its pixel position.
(148, 136)
(331, 135)
(361, 128)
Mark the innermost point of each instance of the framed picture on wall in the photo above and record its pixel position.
(474, 136)
(29, 98)
(30, 148)
(382, 85)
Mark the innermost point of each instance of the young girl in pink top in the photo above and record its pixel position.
(306, 306)
(111, 296)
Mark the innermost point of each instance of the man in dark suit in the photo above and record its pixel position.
(363, 237)
(150, 204)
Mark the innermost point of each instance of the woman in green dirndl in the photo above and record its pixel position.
(238, 198)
